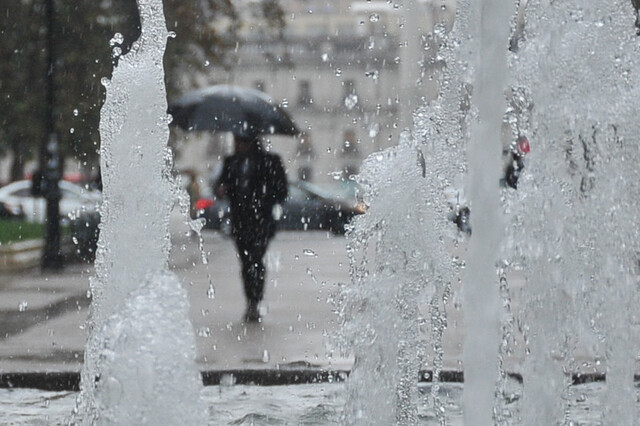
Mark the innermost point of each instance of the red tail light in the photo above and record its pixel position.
(523, 145)
(204, 203)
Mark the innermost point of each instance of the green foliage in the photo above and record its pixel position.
(206, 30)
(12, 231)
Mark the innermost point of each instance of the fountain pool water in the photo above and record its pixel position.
(317, 404)
(572, 88)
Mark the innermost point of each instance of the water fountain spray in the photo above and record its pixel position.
(140, 354)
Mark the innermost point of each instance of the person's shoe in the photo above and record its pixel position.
(252, 314)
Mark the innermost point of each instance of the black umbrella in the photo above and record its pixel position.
(242, 111)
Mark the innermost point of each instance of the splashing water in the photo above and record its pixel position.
(140, 355)
(581, 244)
(571, 224)
(389, 278)
(573, 229)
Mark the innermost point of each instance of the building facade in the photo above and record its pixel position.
(337, 68)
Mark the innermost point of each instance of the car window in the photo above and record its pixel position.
(298, 194)
(22, 193)
(70, 195)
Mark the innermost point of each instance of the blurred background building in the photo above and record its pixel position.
(336, 67)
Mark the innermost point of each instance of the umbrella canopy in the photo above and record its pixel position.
(244, 112)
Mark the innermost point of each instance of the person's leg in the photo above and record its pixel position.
(256, 270)
(253, 274)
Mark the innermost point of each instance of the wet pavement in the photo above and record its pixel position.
(42, 317)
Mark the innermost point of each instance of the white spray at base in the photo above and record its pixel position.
(140, 355)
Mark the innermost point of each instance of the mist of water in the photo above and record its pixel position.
(140, 354)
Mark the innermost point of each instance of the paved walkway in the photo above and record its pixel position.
(42, 316)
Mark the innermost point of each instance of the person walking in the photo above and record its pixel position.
(254, 182)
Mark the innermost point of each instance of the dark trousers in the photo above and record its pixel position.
(251, 252)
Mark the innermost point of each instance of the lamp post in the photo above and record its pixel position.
(50, 166)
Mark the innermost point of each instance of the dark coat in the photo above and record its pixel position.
(254, 184)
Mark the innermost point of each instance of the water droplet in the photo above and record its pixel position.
(372, 74)
(351, 101)
(338, 72)
(75, 112)
(211, 292)
(325, 57)
(116, 39)
(227, 380)
(374, 17)
(374, 130)
(116, 52)
(105, 82)
(72, 130)
(265, 356)
(22, 306)
(336, 175)
(309, 252)
(204, 332)
(207, 63)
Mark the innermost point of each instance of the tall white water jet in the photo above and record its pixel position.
(481, 297)
(140, 355)
(401, 272)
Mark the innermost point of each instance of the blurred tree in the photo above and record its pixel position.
(206, 31)
(22, 86)
(273, 16)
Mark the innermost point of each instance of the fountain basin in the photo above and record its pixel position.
(308, 397)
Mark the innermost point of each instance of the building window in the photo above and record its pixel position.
(304, 93)
(349, 97)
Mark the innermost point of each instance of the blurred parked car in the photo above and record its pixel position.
(10, 211)
(307, 207)
(75, 200)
